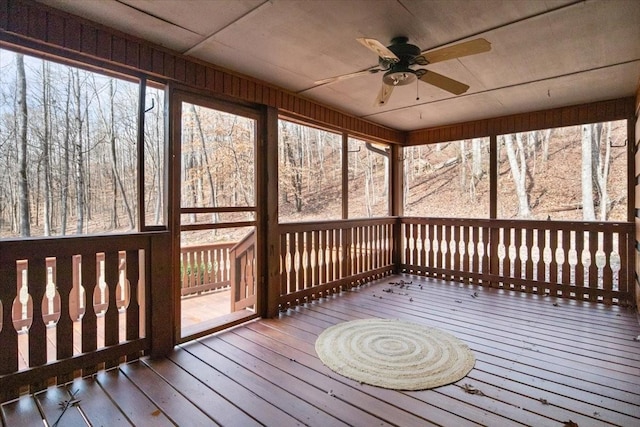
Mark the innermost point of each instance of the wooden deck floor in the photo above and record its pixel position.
(540, 362)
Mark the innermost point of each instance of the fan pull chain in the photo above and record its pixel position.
(417, 90)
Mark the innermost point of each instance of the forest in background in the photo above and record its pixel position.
(68, 141)
(574, 173)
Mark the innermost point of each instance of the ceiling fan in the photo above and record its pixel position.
(398, 59)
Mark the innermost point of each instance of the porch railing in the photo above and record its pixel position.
(205, 268)
(243, 273)
(37, 297)
(585, 261)
(320, 258)
(590, 261)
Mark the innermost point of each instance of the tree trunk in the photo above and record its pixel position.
(66, 160)
(203, 145)
(46, 159)
(588, 211)
(114, 163)
(79, 157)
(463, 166)
(23, 120)
(476, 158)
(518, 167)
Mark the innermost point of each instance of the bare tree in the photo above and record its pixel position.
(78, 153)
(23, 120)
(46, 150)
(601, 164)
(114, 162)
(588, 209)
(66, 161)
(518, 166)
(202, 137)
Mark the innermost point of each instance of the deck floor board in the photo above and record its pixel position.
(541, 361)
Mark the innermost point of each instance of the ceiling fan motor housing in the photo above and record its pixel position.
(400, 73)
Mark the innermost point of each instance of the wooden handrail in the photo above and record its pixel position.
(47, 270)
(243, 273)
(571, 259)
(211, 273)
(321, 258)
(590, 261)
(205, 267)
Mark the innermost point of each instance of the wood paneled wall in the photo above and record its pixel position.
(603, 111)
(636, 145)
(47, 30)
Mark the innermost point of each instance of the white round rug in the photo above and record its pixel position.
(394, 354)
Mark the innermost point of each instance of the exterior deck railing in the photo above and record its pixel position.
(591, 261)
(205, 268)
(104, 281)
(37, 297)
(243, 273)
(320, 258)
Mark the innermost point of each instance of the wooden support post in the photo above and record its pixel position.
(396, 173)
(8, 335)
(269, 219)
(494, 233)
(162, 297)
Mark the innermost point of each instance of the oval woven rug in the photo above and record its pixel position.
(394, 354)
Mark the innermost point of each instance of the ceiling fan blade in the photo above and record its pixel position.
(453, 86)
(471, 47)
(381, 50)
(347, 76)
(384, 95)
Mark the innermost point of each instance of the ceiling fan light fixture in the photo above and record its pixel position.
(399, 77)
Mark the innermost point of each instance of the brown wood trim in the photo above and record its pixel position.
(270, 220)
(13, 249)
(493, 177)
(212, 226)
(631, 169)
(294, 227)
(222, 209)
(343, 124)
(637, 109)
(345, 175)
(524, 224)
(40, 27)
(615, 109)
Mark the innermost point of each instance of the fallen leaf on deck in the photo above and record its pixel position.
(156, 412)
(468, 388)
(543, 401)
(570, 424)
